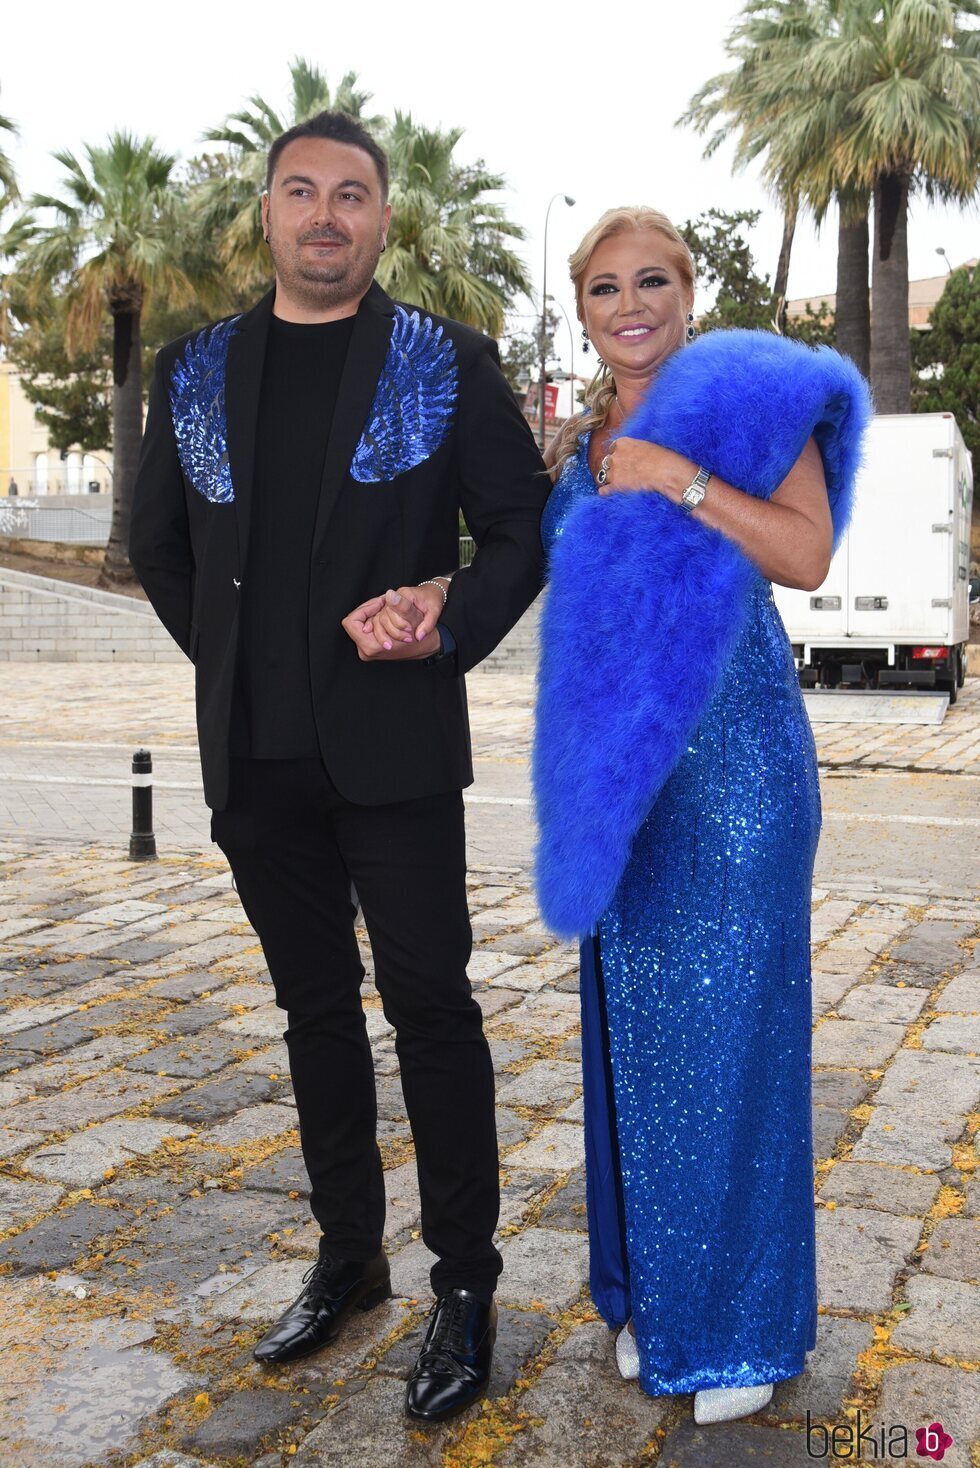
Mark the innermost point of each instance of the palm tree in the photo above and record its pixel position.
(765, 45)
(448, 248)
(8, 179)
(228, 205)
(779, 120)
(115, 237)
(910, 70)
(14, 240)
(880, 98)
(14, 237)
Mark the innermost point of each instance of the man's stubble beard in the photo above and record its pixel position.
(323, 287)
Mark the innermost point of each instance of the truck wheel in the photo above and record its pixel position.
(950, 686)
(960, 667)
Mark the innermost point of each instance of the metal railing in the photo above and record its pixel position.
(64, 524)
(91, 526)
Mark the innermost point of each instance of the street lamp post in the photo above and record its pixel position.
(544, 315)
(941, 251)
(571, 352)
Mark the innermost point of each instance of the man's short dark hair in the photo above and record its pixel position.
(337, 127)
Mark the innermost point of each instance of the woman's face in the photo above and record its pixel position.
(635, 302)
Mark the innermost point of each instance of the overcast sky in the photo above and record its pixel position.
(571, 97)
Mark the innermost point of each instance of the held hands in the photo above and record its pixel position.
(632, 463)
(397, 626)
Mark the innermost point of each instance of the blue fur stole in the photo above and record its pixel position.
(645, 604)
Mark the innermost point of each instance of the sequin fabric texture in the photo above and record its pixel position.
(414, 403)
(705, 968)
(197, 404)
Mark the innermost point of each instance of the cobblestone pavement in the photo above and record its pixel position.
(153, 1213)
(96, 703)
(67, 733)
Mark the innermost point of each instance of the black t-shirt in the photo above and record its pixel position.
(301, 375)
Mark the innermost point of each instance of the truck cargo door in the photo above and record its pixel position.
(900, 545)
(817, 618)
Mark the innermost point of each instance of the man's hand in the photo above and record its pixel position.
(397, 626)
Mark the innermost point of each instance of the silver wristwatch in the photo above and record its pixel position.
(694, 493)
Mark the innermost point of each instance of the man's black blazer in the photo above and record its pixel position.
(387, 731)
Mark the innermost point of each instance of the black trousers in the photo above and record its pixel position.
(295, 845)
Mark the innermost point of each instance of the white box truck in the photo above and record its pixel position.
(894, 609)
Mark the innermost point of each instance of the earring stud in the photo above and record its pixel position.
(585, 341)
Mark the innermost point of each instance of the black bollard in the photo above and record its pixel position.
(142, 842)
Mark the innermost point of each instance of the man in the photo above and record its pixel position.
(298, 461)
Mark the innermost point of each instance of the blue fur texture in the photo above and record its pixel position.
(645, 604)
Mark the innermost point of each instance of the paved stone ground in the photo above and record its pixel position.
(152, 1198)
(162, 698)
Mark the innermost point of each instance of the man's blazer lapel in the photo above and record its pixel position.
(366, 355)
(243, 385)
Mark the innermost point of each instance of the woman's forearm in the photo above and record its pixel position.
(789, 537)
(787, 545)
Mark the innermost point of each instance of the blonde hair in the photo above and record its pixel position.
(601, 391)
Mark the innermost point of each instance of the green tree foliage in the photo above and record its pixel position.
(72, 392)
(947, 358)
(748, 102)
(8, 178)
(816, 327)
(908, 74)
(14, 240)
(115, 238)
(448, 245)
(876, 98)
(723, 260)
(72, 395)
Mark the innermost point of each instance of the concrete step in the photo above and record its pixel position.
(43, 620)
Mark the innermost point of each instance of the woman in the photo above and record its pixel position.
(679, 809)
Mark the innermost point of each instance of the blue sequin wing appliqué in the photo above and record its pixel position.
(197, 405)
(414, 402)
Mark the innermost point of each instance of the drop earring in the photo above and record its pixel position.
(585, 341)
(691, 332)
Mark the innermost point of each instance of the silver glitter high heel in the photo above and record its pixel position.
(725, 1403)
(627, 1355)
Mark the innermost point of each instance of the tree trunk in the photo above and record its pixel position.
(853, 312)
(891, 354)
(790, 211)
(127, 431)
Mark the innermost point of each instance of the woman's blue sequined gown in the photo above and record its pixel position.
(696, 1036)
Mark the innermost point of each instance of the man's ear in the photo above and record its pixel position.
(265, 217)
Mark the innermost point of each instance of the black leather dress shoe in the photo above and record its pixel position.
(453, 1367)
(332, 1290)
